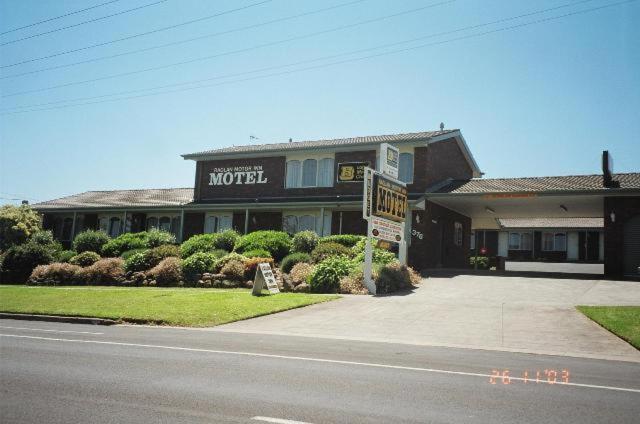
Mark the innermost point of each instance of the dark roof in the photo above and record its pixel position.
(121, 198)
(537, 184)
(300, 145)
(551, 222)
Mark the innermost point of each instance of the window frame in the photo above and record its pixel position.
(301, 160)
(554, 247)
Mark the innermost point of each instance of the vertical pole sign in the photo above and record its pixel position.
(385, 206)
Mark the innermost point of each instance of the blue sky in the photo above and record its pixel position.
(543, 99)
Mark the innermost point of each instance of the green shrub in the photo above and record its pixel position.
(122, 243)
(277, 243)
(126, 255)
(301, 272)
(65, 256)
(327, 274)
(329, 249)
(257, 253)
(45, 238)
(85, 258)
(394, 277)
(221, 262)
(234, 270)
(167, 273)
(137, 262)
(482, 261)
(104, 271)
(293, 258)
(198, 263)
(202, 243)
(157, 254)
(251, 264)
(379, 256)
(305, 241)
(347, 240)
(20, 260)
(226, 240)
(54, 274)
(157, 238)
(17, 224)
(90, 241)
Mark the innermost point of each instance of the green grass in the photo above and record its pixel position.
(178, 306)
(623, 321)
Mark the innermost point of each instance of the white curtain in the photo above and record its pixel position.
(309, 172)
(210, 224)
(165, 224)
(224, 223)
(405, 173)
(307, 222)
(293, 173)
(325, 173)
(290, 224)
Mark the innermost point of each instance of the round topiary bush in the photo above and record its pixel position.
(65, 256)
(226, 240)
(157, 238)
(85, 258)
(325, 277)
(157, 254)
(305, 241)
(90, 241)
(122, 243)
(277, 243)
(221, 262)
(257, 253)
(137, 262)
(293, 258)
(198, 263)
(167, 273)
(327, 250)
(199, 243)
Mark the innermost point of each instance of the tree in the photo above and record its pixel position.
(17, 224)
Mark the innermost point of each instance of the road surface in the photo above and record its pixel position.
(64, 373)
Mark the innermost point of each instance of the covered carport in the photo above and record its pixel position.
(486, 201)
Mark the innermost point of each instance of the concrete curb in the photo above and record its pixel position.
(57, 318)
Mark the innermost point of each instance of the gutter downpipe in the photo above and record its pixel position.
(246, 220)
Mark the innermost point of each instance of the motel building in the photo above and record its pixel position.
(453, 211)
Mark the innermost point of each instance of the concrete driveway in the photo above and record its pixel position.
(521, 314)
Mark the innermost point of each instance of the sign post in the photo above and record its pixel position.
(264, 275)
(384, 206)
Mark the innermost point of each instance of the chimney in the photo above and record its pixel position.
(25, 202)
(290, 140)
(441, 126)
(607, 171)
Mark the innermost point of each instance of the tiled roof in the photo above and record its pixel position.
(299, 145)
(551, 222)
(121, 198)
(538, 184)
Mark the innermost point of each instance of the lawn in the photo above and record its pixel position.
(623, 321)
(179, 306)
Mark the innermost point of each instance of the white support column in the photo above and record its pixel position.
(181, 234)
(368, 263)
(403, 249)
(340, 226)
(123, 228)
(321, 221)
(73, 226)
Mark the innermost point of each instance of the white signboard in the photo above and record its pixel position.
(389, 160)
(264, 275)
(385, 229)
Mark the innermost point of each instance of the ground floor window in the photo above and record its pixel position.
(217, 223)
(114, 227)
(520, 241)
(295, 223)
(168, 223)
(554, 242)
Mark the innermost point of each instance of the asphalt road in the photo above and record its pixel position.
(66, 373)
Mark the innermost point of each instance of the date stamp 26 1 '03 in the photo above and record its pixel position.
(548, 376)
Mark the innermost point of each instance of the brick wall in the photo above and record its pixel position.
(624, 208)
(437, 247)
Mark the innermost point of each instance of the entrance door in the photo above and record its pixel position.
(632, 246)
(593, 245)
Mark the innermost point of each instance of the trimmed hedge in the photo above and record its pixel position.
(305, 241)
(257, 253)
(157, 238)
(54, 274)
(90, 241)
(329, 249)
(326, 276)
(277, 243)
(85, 258)
(20, 260)
(294, 258)
(347, 240)
(127, 241)
(199, 263)
(65, 255)
(105, 271)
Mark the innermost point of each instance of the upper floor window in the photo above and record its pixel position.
(405, 172)
(310, 173)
